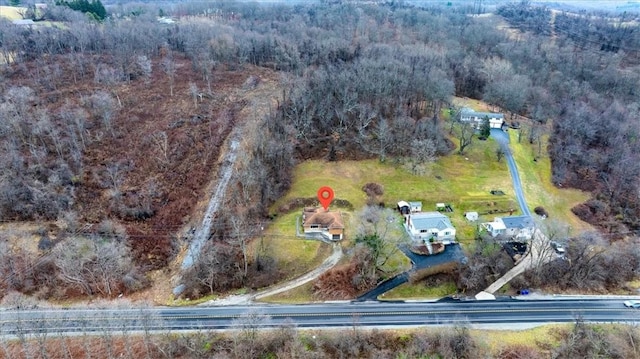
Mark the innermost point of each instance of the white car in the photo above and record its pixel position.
(632, 303)
(559, 248)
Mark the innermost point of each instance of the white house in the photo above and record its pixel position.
(495, 228)
(415, 207)
(430, 226)
(516, 227)
(496, 120)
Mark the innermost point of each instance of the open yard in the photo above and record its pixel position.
(537, 186)
(464, 181)
(12, 12)
(295, 256)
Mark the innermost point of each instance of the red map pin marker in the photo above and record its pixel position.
(325, 196)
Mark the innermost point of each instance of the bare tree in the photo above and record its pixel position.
(193, 90)
(249, 325)
(161, 142)
(145, 67)
(169, 67)
(375, 137)
(240, 238)
(114, 178)
(465, 132)
(92, 266)
(104, 107)
(423, 154)
(217, 268)
(375, 230)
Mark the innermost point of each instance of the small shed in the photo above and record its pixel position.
(404, 207)
(415, 207)
(471, 216)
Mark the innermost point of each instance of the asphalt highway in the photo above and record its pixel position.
(378, 314)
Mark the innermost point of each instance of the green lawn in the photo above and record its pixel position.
(537, 186)
(420, 291)
(298, 295)
(464, 181)
(295, 256)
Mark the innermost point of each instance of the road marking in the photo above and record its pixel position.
(329, 314)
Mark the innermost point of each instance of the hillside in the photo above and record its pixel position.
(126, 157)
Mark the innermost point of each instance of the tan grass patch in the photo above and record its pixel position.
(497, 340)
(12, 12)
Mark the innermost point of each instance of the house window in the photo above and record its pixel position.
(336, 236)
(424, 230)
(447, 233)
(314, 226)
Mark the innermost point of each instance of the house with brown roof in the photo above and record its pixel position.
(318, 221)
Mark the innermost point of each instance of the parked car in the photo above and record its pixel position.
(632, 303)
(559, 248)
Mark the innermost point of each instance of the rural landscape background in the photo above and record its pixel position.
(121, 123)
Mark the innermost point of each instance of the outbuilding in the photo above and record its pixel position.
(471, 216)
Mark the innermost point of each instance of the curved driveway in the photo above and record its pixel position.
(452, 253)
(503, 140)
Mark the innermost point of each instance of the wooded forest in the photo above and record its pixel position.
(110, 129)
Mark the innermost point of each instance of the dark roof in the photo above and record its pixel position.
(518, 222)
(403, 204)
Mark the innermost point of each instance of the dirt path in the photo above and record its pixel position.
(203, 232)
(328, 263)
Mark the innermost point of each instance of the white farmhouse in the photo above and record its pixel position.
(496, 120)
(519, 228)
(430, 227)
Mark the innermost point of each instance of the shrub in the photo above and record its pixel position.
(540, 211)
(373, 189)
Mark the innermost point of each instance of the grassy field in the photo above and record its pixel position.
(464, 181)
(12, 12)
(295, 256)
(424, 285)
(298, 295)
(538, 188)
(495, 340)
(420, 291)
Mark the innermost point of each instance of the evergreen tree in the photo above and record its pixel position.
(94, 8)
(485, 129)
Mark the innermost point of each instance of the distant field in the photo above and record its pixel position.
(12, 13)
